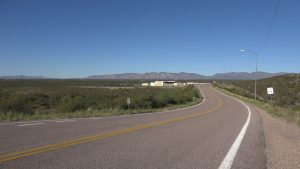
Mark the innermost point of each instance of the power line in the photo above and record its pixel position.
(240, 68)
(245, 66)
(270, 27)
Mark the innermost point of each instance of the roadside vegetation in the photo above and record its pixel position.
(285, 102)
(48, 99)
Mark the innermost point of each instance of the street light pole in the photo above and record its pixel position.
(255, 76)
(256, 58)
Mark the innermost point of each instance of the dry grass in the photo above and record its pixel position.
(287, 114)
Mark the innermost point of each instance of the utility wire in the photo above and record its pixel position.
(240, 68)
(243, 67)
(269, 28)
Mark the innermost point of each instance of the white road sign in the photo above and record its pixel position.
(270, 90)
(128, 101)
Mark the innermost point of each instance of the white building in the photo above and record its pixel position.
(164, 84)
(145, 84)
(157, 83)
(179, 84)
(169, 83)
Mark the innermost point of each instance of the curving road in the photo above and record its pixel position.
(221, 132)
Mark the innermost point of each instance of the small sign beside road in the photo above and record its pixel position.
(270, 90)
(128, 102)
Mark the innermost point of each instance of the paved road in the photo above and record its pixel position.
(217, 133)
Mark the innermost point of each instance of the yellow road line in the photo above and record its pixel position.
(37, 150)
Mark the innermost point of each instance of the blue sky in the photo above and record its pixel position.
(59, 38)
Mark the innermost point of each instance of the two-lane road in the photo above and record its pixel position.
(219, 132)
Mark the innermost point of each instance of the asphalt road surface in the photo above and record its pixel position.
(221, 132)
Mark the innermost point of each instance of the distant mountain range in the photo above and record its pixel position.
(167, 76)
(245, 75)
(23, 77)
(187, 76)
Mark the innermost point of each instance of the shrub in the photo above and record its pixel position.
(73, 103)
(40, 97)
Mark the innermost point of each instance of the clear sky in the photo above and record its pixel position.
(59, 38)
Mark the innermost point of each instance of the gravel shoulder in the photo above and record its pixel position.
(282, 139)
(282, 142)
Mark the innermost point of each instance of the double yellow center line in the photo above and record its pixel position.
(42, 149)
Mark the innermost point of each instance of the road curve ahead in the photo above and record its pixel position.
(221, 132)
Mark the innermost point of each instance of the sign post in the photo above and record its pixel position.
(128, 102)
(270, 92)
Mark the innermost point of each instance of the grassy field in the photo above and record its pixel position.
(48, 99)
(285, 102)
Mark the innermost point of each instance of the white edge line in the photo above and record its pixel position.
(228, 160)
(61, 121)
(22, 122)
(30, 124)
(204, 98)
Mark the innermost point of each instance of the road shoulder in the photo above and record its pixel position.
(282, 139)
(282, 142)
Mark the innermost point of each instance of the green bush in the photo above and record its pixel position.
(73, 103)
(18, 103)
(63, 97)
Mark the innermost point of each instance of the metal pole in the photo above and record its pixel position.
(272, 102)
(223, 79)
(256, 55)
(255, 76)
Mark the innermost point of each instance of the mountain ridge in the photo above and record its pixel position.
(23, 77)
(165, 76)
(186, 76)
